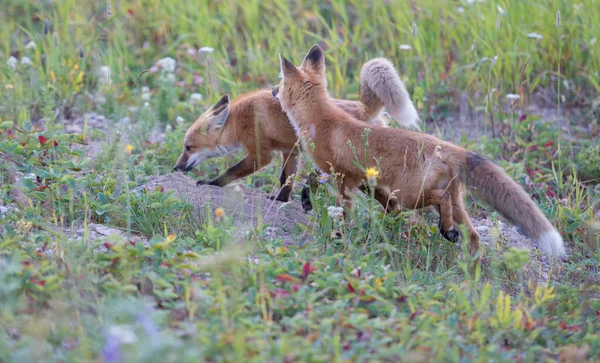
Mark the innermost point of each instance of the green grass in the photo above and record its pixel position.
(390, 289)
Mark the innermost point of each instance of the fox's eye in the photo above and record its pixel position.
(187, 148)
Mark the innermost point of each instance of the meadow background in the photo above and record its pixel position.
(83, 127)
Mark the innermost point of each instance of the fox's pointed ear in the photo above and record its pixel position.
(222, 102)
(314, 59)
(220, 112)
(288, 69)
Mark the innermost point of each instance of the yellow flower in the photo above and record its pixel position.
(171, 238)
(219, 212)
(371, 173)
(129, 148)
(52, 75)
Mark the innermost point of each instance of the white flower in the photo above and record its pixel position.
(145, 96)
(460, 9)
(146, 104)
(592, 41)
(206, 50)
(512, 97)
(335, 212)
(179, 120)
(123, 333)
(168, 129)
(168, 77)
(104, 73)
(145, 89)
(30, 45)
(167, 64)
(405, 47)
(534, 35)
(26, 61)
(99, 99)
(500, 10)
(12, 63)
(196, 98)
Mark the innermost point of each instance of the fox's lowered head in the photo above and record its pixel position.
(201, 141)
(299, 84)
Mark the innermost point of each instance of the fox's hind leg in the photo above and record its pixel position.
(461, 216)
(290, 166)
(442, 201)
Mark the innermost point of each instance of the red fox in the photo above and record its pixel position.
(420, 169)
(256, 122)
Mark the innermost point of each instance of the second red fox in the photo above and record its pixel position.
(256, 123)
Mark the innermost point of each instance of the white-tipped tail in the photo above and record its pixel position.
(552, 244)
(380, 83)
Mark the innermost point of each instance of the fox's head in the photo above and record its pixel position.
(201, 141)
(299, 84)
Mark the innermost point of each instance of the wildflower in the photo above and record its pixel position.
(12, 63)
(167, 64)
(195, 98)
(145, 89)
(129, 148)
(512, 97)
(23, 227)
(405, 47)
(146, 104)
(206, 50)
(123, 333)
(26, 61)
(154, 69)
(371, 173)
(219, 213)
(112, 349)
(100, 99)
(334, 212)
(323, 178)
(191, 52)
(534, 35)
(171, 238)
(168, 77)
(179, 120)
(30, 45)
(500, 10)
(145, 96)
(593, 41)
(104, 74)
(149, 327)
(460, 9)
(168, 129)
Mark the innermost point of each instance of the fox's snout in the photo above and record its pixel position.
(275, 92)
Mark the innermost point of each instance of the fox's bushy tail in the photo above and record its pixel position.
(488, 181)
(380, 85)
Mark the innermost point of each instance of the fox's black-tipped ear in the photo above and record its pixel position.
(222, 102)
(288, 69)
(314, 59)
(220, 112)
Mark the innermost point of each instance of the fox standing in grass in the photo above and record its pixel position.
(256, 122)
(421, 169)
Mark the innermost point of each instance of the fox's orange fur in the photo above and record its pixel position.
(256, 123)
(420, 169)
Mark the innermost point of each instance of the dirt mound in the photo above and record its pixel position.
(247, 208)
